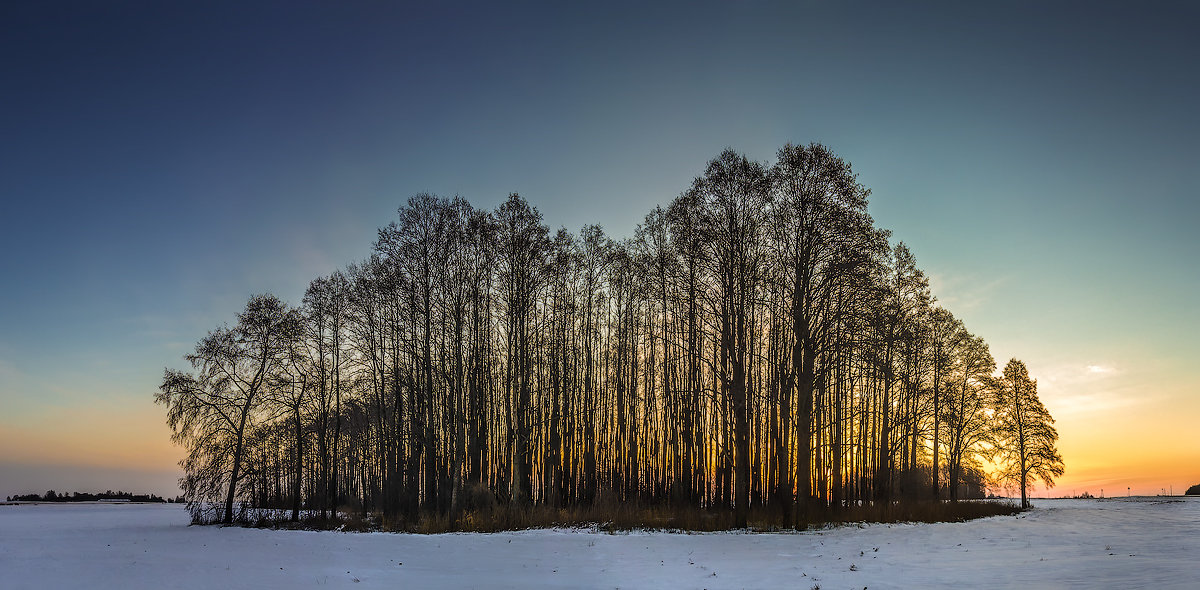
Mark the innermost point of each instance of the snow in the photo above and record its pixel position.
(1114, 543)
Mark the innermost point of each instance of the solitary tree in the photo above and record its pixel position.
(212, 411)
(1025, 434)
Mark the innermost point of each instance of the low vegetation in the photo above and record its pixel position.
(611, 517)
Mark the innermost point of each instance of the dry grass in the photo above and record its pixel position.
(624, 517)
(608, 517)
(925, 512)
(482, 513)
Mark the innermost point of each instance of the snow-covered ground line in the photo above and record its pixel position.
(1116, 543)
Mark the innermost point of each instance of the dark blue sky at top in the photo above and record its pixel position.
(161, 161)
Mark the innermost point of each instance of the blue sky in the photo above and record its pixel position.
(160, 162)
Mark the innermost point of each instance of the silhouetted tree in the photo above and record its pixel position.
(211, 412)
(324, 308)
(1024, 432)
(734, 192)
(819, 220)
(523, 245)
(969, 392)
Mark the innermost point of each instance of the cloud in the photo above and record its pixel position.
(1091, 401)
(1078, 373)
(962, 294)
(1082, 387)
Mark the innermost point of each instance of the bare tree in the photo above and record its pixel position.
(210, 412)
(966, 403)
(818, 211)
(734, 192)
(1024, 432)
(523, 246)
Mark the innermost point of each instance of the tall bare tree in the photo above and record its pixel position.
(966, 404)
(734, 192)
(523, 247)
(211, 412)
(1024, 432)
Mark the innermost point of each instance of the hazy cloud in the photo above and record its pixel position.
(961, 294)
(1078, 388)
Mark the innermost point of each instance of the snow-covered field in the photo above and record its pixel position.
(1116, 543)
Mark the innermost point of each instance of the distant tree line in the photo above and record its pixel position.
(52, 496)
(757, 344)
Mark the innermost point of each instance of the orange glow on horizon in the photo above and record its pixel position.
(1133, 447)
(96, 436)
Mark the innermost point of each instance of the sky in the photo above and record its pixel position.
(161, 162)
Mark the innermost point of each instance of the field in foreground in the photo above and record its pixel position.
(1116, 543)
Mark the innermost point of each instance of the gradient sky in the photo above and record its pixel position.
(160, 163)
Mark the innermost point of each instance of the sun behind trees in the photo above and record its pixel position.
(1024, 432)
(757, 350)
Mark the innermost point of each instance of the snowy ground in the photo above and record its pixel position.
(1116, 543)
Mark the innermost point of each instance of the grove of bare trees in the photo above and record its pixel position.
(757, 346)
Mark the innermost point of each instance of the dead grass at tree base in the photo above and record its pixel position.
(629, 517)
(614, 517)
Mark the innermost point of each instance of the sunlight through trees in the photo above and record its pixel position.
(758, 346)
